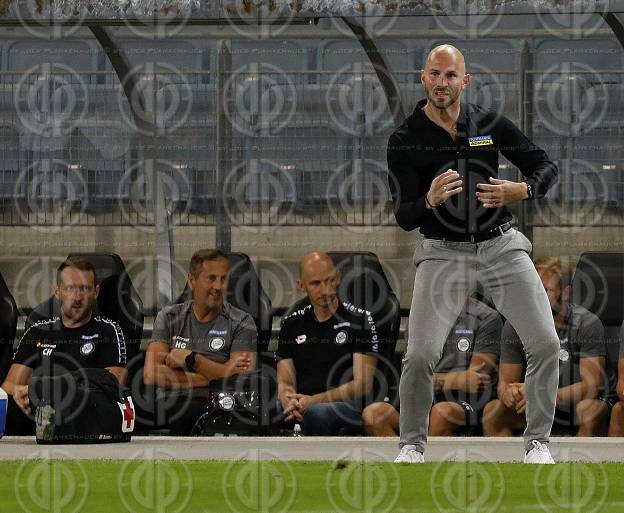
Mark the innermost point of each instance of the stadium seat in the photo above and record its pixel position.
(594, 53)
(202, 102)
(167, 56)
(117, 299)
(351, 103)
(598, 285)
(100, 153)
(411, 94)
(176, 184)
(8, 326)
(78, 56)
(613, 117)
(500, 94)
(369, 182)
(203, 187)
(315, 169)
(51, 185)
(103, 181)
(583, 181)
(189, 162)
(494, 55)
(365, 285)
(259, 107)
(281, 55)
(269, 182)
(258, 183)
(318, 183)
(245, 292)
(11, 187)
(339, 54)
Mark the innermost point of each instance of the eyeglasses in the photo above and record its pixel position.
(70, 289)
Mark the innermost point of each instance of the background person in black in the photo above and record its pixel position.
(582, 356)
(60, 345)
(327, 354)
(443, 162)
(464, 379)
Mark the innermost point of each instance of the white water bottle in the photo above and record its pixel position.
(4, 401)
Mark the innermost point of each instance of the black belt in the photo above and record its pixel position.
(475, 237)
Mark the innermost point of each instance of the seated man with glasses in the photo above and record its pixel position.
(74, 340)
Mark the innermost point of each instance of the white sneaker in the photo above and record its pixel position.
(409, 454)
(539, 454)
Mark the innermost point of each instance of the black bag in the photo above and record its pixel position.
(236, 405)
(84, 406)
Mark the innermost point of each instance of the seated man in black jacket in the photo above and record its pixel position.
(58, 345)
(327, 354)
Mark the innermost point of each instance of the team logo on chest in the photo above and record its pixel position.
(341, 337)
(87, 348)
(217, 343)
(463, 344)
(300, 339)
(564, 354)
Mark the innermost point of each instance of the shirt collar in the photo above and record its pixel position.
(224, 311)
(419, 119)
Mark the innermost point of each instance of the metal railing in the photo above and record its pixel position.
(307, 147)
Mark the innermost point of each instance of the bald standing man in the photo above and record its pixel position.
(443, 162)
(327, 354)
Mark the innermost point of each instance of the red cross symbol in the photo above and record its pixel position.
(127, 412)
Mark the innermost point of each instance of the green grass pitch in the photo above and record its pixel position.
(63, 486)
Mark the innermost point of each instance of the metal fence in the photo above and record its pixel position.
(304, 147)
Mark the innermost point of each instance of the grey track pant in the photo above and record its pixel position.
(446, 273)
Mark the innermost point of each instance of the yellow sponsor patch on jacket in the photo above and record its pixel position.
(480, 140)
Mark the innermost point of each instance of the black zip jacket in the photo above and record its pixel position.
(419, 150)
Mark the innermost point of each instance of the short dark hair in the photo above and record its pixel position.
(203, 255)
(79, 263)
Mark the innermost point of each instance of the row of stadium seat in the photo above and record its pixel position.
(310, 54)
(192, 189)
(353, 103)
(309, 186)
